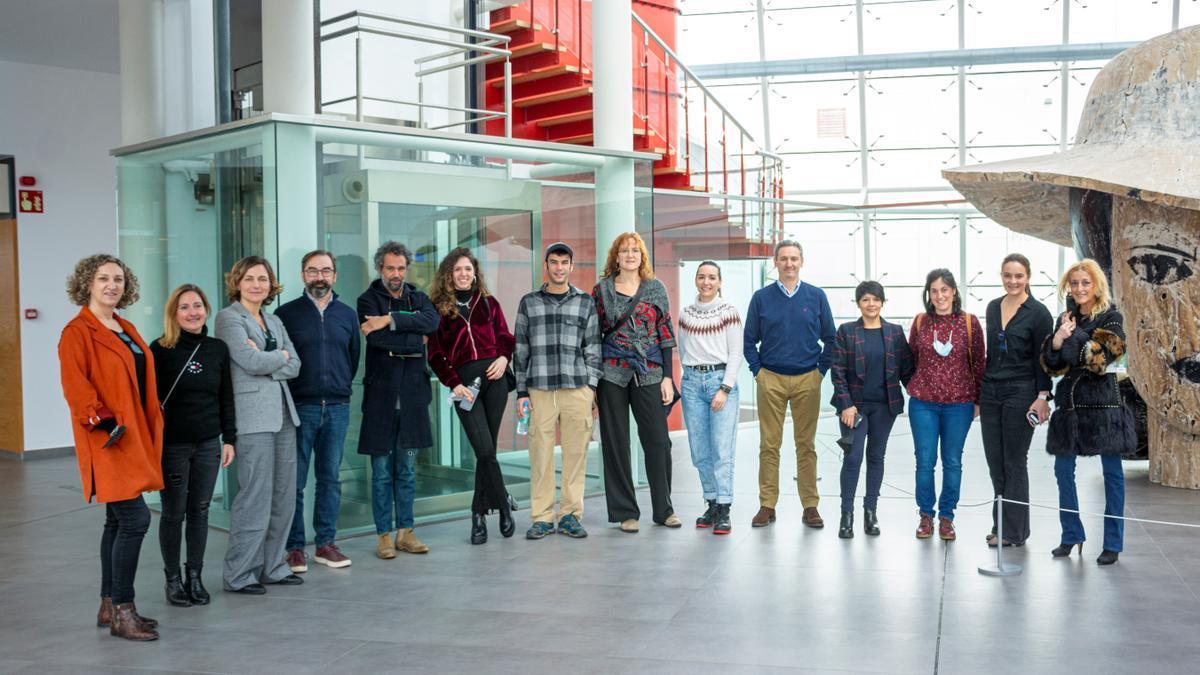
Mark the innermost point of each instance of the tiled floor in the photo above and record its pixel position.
(784, 598)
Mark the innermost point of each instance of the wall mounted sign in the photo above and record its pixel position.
(30, 201)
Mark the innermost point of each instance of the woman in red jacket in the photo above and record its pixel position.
(108, 381)
(473, 345)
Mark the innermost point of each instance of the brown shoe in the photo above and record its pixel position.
(331, 556)
(946, 529)
(387, 546)
(126, 624)
(812, 519)
(925, 527)
(406, 540)
(763, 518)
(145, 621)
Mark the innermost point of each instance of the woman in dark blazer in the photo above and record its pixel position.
(108, 381)
(1089, 416)
(263, 360)
(472, 343)
(871, 359)
(1014, 386)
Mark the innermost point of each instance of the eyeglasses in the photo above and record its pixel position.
(323, 272)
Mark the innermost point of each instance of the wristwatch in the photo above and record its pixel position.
(726, 388)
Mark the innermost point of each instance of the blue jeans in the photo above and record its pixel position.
(321, 435)
(1114, 501)
(712, 436)
(949, 423)
(393, 485)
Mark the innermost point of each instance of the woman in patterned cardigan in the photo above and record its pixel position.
(710, 349)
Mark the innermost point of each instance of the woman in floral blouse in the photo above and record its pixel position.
(635, 322)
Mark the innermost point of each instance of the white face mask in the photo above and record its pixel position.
(943, 349)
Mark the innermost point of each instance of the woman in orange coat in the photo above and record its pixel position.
(108, 381)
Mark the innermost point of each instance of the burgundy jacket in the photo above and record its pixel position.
(483, 334)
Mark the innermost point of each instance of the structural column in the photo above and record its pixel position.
(140, 30)
(612, 102)
(289, 57)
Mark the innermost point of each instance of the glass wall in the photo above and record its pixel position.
(189, 209)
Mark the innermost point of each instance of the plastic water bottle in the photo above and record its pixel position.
(523, 419)
(468, 403)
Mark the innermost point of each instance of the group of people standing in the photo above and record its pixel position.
(274, 389)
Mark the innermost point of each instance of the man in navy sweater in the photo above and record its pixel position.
(325, 332)
(784, 324)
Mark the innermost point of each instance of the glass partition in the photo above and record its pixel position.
(188, 210)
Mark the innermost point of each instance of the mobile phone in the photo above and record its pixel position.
(1033, 418)
(858, 418)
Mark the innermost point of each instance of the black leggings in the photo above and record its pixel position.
(125, 524)
(482, 426)
(615, 403)
(189, 476)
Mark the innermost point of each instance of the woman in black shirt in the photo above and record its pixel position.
(198, 435)
(1014, 386)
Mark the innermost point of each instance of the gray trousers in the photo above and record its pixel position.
(262, 511)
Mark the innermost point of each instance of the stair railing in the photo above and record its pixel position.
(466, 48)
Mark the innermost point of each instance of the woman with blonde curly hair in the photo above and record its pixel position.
(108, 381)
(635, 322)
(473, 346)
(262, 361)
(1089, 416)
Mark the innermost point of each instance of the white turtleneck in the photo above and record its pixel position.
(711, 333)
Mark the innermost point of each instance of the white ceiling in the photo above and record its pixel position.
(66, 33)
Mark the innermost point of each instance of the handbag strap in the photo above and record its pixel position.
(621, 320)
(162, 405)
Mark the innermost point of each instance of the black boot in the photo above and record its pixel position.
(846, 526)
(870, 522)
(195, 587)
(721, 524)
(710, 514)
(478, 528)
(507, 524)
(176, 594)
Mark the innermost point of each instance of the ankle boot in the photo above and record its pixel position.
(176, 594)
(104, 616)
(478, 528)
(870, 522)
(846, 526)
(406, 540)
(507, 524)
(195, 587)
(144, 621)
(125, 624)
(710, 514)
(721, 523)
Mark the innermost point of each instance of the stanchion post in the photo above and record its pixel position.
(1000, 569)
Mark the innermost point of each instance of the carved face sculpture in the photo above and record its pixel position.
(1157, 279)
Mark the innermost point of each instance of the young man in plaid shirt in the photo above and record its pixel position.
(557, 363)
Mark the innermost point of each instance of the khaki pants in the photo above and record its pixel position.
(571, 411)
(775, 392)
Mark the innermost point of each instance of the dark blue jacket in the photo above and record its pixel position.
(328, 348)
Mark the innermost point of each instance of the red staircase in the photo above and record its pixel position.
(552, 80)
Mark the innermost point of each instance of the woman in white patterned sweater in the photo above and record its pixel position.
(710, 349)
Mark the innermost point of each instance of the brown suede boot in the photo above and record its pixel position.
(406, 540)
(104, 616)
(125, 624)
(764, 517)
(387, 546)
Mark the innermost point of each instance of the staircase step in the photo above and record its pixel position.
(564, 119)
(550, 97)
(511, 25)
(539, 74)
(528, 49)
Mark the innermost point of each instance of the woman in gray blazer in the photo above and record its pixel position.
(263, 359)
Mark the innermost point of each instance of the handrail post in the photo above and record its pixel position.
(687, 148)
(667, 110)
(707, 164)
(358, 79)
(507, 98)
